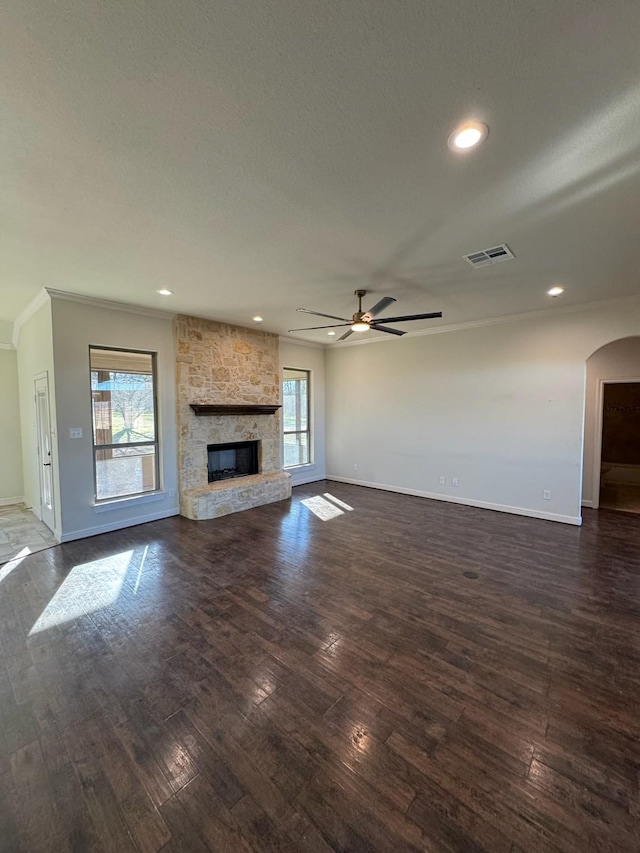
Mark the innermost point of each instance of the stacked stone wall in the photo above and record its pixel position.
(221, 364)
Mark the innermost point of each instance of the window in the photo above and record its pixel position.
(295, 408)
(125, 433)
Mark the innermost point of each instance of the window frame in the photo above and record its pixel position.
(307, 431)
(156, 426)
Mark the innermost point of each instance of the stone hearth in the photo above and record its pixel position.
(226, 496)
(219, 365)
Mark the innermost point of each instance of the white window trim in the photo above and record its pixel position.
(311, 464)
(129, 501)
(139, 497)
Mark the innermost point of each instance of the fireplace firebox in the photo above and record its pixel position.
(237, 459)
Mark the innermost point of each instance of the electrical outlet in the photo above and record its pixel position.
(546, 495)
(455, 481)
(443, 480)
(355, 466)
(75, 432)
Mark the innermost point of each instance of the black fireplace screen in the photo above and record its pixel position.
(238, 459)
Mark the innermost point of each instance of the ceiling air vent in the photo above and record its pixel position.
(495, 255)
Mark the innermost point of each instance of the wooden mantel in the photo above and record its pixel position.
(202, 409)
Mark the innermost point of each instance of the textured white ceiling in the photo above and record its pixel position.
(263, 155)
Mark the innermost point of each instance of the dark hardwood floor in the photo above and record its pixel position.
(409, 675)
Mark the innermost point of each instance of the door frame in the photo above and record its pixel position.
(39, 377)
(597, 444)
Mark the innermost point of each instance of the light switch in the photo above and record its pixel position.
(75, 432)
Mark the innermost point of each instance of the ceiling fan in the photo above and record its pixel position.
(362, 321)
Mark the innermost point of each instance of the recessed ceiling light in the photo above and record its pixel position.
(468, 135)
(555, 291)
(331, 334)
(164, 292)
(257, 319)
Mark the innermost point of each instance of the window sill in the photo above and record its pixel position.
(307, 466)
(133, 501)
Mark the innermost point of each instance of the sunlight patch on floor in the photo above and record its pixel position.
(321, 507)
(338, 502)
(139, 577)
(13, 564)
(87, 588)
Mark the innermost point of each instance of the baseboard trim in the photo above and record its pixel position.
(312, 478)
(10, 501)
(118, 525)
(513, 510)
(587, 503)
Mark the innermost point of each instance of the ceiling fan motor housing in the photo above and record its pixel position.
(359, 314)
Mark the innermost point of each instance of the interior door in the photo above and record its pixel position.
(620, 446)
(43, 428)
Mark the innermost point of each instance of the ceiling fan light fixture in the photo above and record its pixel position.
(360, 326)
(468, 135)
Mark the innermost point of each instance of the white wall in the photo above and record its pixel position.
(618, 360)
(35, 357)
(76, 326)
(11, 484)
(313, 359)
(500, 407)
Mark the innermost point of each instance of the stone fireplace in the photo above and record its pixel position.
(228, 394)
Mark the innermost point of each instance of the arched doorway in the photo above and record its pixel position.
(611, 473)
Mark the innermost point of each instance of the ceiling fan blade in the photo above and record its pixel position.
(346, 335)
(385, 302)
(318, 314)
(431, 316)
(311, 328)
(387, 329)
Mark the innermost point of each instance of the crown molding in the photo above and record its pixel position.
(41, 298)
(286, 339)
(506, 318)
(110, 305)
(47, 294)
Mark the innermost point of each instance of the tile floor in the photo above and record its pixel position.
(20, 529)
(624, 498)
